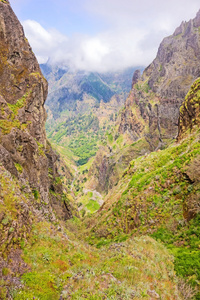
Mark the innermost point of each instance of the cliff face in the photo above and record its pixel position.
(159, 195)
(24, 150)
(189, 119)
(160, 91)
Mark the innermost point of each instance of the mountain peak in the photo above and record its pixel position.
(197, 19)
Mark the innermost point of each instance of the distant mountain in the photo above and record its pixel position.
(66, 87)
(49, 249)
(82, 106)
(149, 119)
(152, 108)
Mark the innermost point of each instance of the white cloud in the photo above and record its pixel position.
(110, 50)
(44, 42)
(134, 31)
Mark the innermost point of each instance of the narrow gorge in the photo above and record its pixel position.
(111, 209)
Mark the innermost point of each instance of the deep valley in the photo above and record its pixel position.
(100, 174)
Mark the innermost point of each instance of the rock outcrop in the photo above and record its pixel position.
(159, 93)
(189, 119)
(24, 149)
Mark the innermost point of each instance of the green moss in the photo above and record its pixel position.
(6, 220)
(36, 74)
(3, 290)
(19, 104)
(5, 271)
(36, 194)
(6, 125)
(58, 180)
(92, 206)
(2, 111)
(40, 149)
(110, 137)
(19, 167)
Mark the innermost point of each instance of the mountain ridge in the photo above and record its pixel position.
(160, 91)
(44, 250)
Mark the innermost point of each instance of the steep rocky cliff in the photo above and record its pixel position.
(149, 119)
(157, 95)
(24, 149)
(39, 257)
(158, 195)
(189, 119)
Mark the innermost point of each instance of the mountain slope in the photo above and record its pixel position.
(158, 94)
(41, 255)
(149, 119)
(37, 258)
(159, 195)
(77, 97)
(67, 87)
(24, 149)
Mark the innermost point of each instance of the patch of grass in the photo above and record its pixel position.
(184, 244)
(6, 126)
(40, 149)
(36, 194)
(19, 167)
(84, 272)
(19, 104)
(92, 206)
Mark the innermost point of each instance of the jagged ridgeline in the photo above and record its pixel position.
(24, 149)
(44, 254)
(159, 195)
(149, 119)
(152, 109)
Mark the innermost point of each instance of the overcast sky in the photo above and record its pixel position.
(100, 35)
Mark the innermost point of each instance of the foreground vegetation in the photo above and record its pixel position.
(54, 263)
(158, 195)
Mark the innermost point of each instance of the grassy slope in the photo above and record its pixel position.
(58, 263)
(157, 197)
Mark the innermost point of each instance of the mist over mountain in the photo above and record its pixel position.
(113, 212)
(67, 86)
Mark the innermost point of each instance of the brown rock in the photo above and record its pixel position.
(159, 93)
(24, 150)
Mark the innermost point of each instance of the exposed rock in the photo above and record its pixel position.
(130, 119)
(136, 77)
(24, 150)
(108, 168)
(190, 110)
(159, 93)
(153, 294)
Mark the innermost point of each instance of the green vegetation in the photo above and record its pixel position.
(40, 149)
(10, 215)
(19, 167)
(97, 88)
(19, 104)
(6, 126)
(59, 263)
(80, 135)
(160, 199)
(143, 86)
(185, 245)
(36, 194)
(74, 270)
(92, 206)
